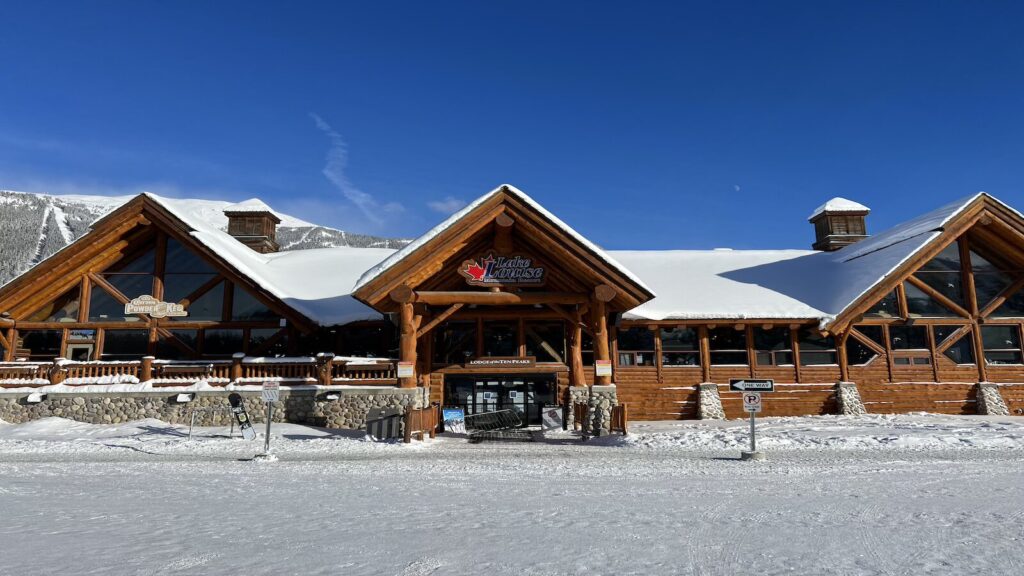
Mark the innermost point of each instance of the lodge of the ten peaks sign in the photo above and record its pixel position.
(493, 270)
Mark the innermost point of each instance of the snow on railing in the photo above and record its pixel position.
(323, 369)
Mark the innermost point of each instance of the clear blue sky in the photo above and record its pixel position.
(642, 124)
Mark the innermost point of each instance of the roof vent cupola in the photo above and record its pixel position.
(254, 224)
(837, 223)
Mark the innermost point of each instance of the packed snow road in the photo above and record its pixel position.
(880, 495)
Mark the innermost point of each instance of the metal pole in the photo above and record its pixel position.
(191, 424)
(266, 440)
(753, 439)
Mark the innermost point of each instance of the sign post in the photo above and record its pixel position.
(271, 393)
(751, 390)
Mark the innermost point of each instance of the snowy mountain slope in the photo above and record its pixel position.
(34, 226)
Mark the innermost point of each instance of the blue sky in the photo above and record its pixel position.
(641, 124)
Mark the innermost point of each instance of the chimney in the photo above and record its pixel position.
(254, 224)
(837, 223)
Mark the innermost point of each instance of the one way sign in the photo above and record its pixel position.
(750, 384)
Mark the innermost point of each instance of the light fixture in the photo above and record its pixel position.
(332, 397)
(35, 398)
(185, 397)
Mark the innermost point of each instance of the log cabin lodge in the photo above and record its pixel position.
(503, 305)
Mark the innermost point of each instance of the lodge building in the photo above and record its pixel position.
(503, 305)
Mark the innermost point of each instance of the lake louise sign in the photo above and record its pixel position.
(494, 270)
(155, 308)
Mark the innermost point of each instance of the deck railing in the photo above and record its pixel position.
(324, 369)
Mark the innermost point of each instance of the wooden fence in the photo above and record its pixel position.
(420, 422)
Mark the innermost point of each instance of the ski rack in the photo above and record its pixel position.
(501, 425)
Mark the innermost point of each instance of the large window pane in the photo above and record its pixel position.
(1002, 344)
(131, 285)
(773, 347)
(962, 351)
(887, 307)
(209, 307)
(455, 342)
(908, 337)
(183, 260)
(245, 307)
(944, 274)
(501, 339)
(105, 308)
(142, 264)
(125, 344)
(989, 279)
(1013, 307)
(636, 346)
(815, 349)
(41, 344)
(920, 304)
(62, 309)
(728, 346)
(258, 337)
(680, 346)
(858, 353)
(222, 342)
(177, 287)
(546, 341)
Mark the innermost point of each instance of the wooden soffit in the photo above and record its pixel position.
(505, 219)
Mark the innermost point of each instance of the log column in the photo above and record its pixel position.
(602, 351)
(407, 346)
(576, 353)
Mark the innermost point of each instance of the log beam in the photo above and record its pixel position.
(443, 298)
(438, 319)
(503, 233)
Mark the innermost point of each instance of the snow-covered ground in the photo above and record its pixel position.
(911, 494)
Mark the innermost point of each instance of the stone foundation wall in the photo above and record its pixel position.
(710, 407)
(297, 406)
(848, 398)
(990, 401)
(602, 398)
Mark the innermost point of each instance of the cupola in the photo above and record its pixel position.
(254, 224)
(839, 222)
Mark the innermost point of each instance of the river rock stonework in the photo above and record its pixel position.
(990, 401)
(848, 398)
(577, 395)
(602, 399)
(710, 406)
(311, 407)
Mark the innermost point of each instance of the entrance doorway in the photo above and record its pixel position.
(527, 394)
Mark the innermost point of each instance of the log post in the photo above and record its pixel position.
(236, 366)
(325, 368)
(146, 371)
(407, 345)
(57, 372)
(576, 378)
(503, 234)
(601, 349)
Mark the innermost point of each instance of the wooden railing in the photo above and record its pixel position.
(420, 422)
(380, 372)
(620, 419)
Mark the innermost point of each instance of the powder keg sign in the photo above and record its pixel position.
(155, 308)
(494, 270)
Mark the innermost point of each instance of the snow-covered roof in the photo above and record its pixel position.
(690, 284)
(838, 204)
(250, 205)
(433, 232)
(317, 283)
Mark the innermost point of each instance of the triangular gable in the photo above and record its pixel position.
(114, 232)
(427, 251)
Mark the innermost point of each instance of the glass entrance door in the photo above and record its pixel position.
(527, 394)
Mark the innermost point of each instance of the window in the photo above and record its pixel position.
(773, 347)
(259, 337)
(133, 276)
(636, 347)
(921, 305)
(944, 274)
(246, 308)
(815, 349)
(501, 339)
(183, 345)
(105, 308)
(1013, 307)
(680, 346)
(62, 309)
(455, 342)
(125, 344)
(887, 307)
(184, 272)
(207, 308)
(909, 345)
(545, 341)
(859, 353)
(728, 346)
(990, 279)
(961, 351)
(41, 344)
(1001, 344)
(222, 342)
(587, 349)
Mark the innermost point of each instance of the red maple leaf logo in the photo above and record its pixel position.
(475, 271)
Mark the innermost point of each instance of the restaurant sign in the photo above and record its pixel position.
(157, 309)
(502, 362)
(492, 270)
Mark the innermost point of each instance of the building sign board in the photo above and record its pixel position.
(502, 362)
(147, 304)
(454, 420)
(602, 367)
(271, 391)
(494, 270)
(752, 402)
(751, 384)
(406, 370)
